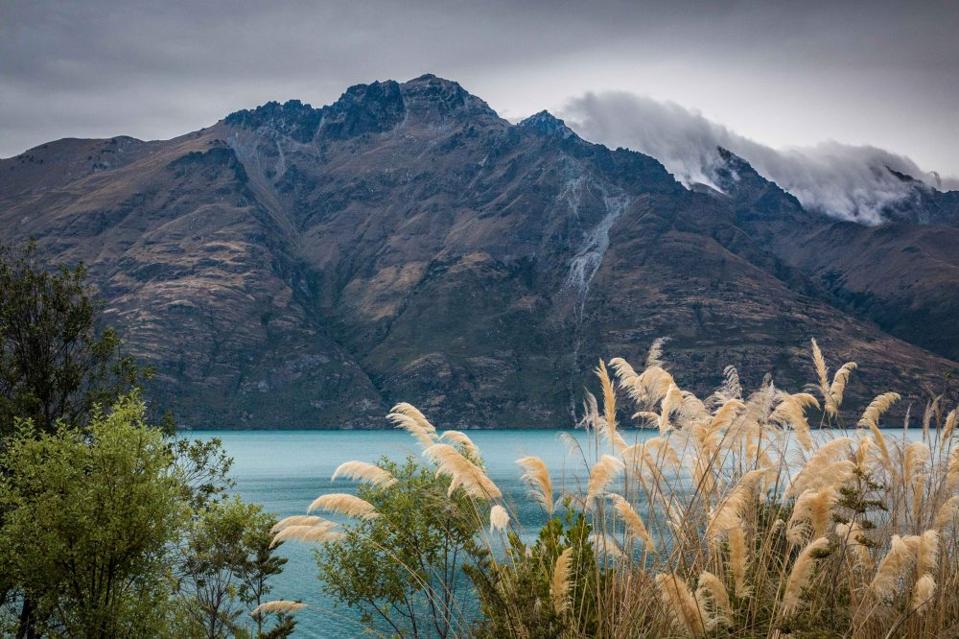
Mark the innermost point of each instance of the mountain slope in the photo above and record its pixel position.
(292, 266)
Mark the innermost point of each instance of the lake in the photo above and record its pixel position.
(285, 470)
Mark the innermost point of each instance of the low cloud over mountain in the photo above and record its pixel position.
(845, 181)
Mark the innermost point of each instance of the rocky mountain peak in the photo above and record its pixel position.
(434, 98)
(365, 108)
(376, 107)
(750, 191)
(546, 123)
(293, 118)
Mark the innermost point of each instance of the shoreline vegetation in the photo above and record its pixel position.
(110, 526)
(762, 514)
(739, 519)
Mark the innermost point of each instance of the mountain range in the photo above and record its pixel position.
(299, 266)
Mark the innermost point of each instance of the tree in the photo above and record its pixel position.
(404, 567)
(225, 571)
(93, 504)
(90, 518)
(56, 363)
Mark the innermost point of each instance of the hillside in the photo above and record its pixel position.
(300, 266)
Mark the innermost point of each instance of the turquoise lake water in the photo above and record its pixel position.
(285, 470)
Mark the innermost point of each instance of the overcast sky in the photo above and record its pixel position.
(781, 73)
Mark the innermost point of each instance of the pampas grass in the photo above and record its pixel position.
(734, 518)
(498, 518)
(560, 581)
(635, 528)
(296, 520)
(344, 504)
(537, 476)
(462, 472)
(462, 439)
(801, 574)
(792, 412)
(316, 533)
(923, 593)
(362, 471)
(410, 419)
(680, 605)
(711, 595)
(603, 472)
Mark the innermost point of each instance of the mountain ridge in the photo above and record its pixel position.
(292, 265)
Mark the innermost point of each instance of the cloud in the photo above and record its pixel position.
(848, 182)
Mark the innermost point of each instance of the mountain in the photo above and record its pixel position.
(300, 266)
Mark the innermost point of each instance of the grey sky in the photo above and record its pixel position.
(781, 73)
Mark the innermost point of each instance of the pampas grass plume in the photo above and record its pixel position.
(559, 584)
(344, 504)
(362, 471)
(537, 476)
(498, 518)
(801, 574)
(680, 604)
